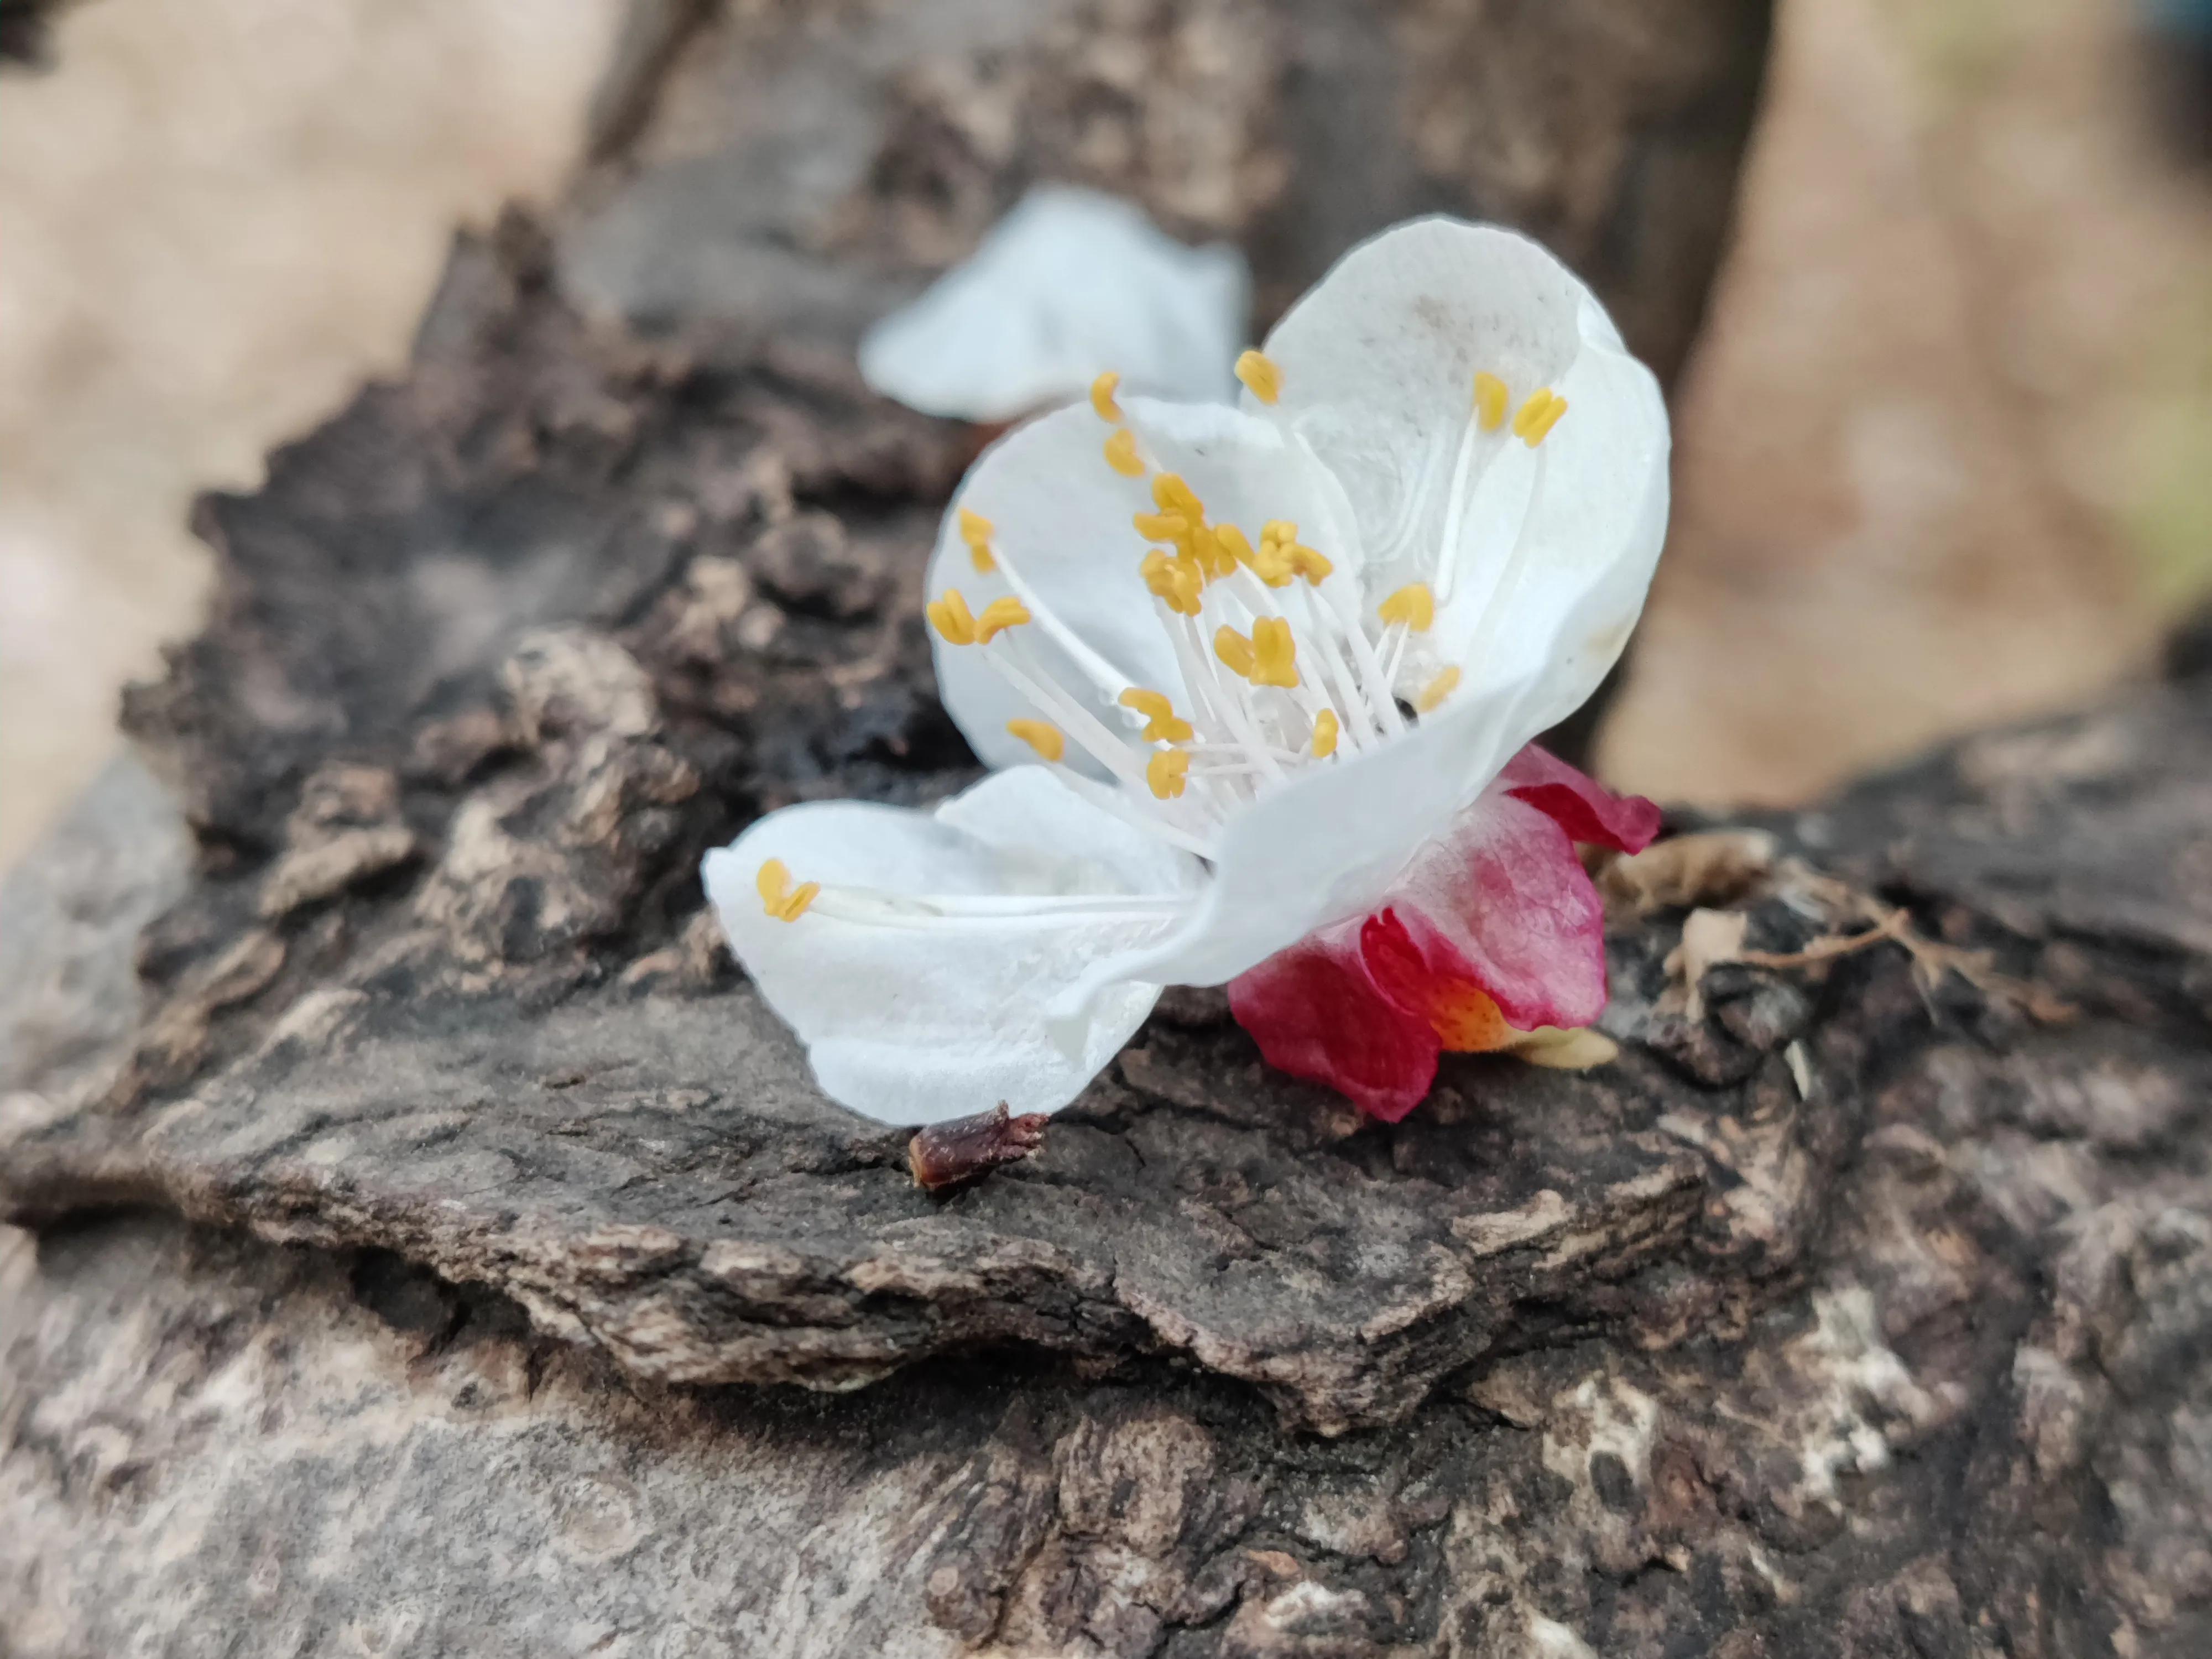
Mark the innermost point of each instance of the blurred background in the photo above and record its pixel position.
(1944, 446)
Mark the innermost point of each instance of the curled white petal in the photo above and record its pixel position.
(1539, 556)
(1327, 844)
(1068, 285)
(923, 978)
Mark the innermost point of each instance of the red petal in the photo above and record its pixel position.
(1465, 1018)
(1582, 806)
(1493, 931)
(1316, 1015)
(1500, 902)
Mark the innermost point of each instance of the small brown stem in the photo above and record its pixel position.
(950, 1154)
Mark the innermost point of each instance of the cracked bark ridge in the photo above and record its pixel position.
(1857, 1313)
(1959, 1407)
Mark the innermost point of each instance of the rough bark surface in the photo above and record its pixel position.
(438, 1249)
(1912, 1357)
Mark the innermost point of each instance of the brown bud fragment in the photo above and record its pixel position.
(949, 1154)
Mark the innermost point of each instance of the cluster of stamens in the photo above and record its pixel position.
(1284, 671)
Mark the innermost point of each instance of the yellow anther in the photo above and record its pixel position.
(1047, 739)
(1538, 401)
(1167, 772)
(1412, 604)
(1171, 494)
(976, 531)
(1540, 428)
(778, 896)
(997, 617)
(1122, 454)
(1213, 554)
(1230, 540)
(1261, 375)
(1276, 652)
(1161, 723)
(1325, 734)
(1272, 561)
(1538, 415)
(950, 616)
(1304, 562)
(1177, 580)
(1492, 400)
(1163, 527)
(1102, 397)
(1434, 693)
(1233, 648)
(1190, 585)
(773, 882)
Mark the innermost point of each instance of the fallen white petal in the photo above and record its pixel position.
(1070, 283)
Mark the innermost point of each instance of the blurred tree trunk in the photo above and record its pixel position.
(25, 25)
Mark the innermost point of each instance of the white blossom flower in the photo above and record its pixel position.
(1069, 285)
(1259, 684)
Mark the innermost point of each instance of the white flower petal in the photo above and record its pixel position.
(1069, 285)
(1562, 604)
(1061, 526)
(1378, 364)
(1059, 517)
(1325, 846)
(1378, 359)
(918, 1023)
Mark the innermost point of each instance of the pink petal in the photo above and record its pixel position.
(1315, 1014)
(1582, 806)
(1501, 900)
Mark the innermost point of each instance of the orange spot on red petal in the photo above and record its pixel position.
(1460, 1011)
(1466, 1021)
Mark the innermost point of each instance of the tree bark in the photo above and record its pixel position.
(438, 1249)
